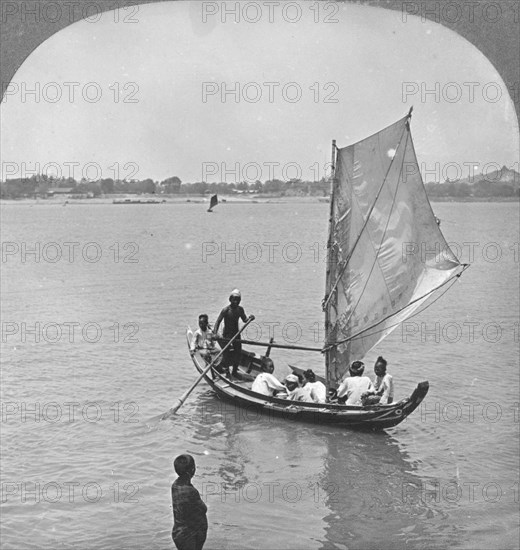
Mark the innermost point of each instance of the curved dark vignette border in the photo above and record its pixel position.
(498, 41)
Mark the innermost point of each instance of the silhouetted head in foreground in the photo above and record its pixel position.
(184, 465)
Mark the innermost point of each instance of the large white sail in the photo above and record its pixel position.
(387, 255)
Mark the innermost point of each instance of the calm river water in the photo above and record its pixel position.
(93, 347)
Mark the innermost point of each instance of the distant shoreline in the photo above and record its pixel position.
(224, 200)
(474, 199)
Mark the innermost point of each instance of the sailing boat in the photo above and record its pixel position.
(212, 203)
(387, 260)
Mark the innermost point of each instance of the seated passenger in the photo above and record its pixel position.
(355, 385)
(383, 391)
(384, 382)
(317, 389)
(265, 383)
(203, 340)
(294, 391)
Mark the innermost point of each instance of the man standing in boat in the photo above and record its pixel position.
(231, 314)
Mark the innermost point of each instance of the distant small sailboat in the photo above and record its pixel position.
(212, 203)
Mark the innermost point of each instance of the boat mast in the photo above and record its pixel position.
(330, 244)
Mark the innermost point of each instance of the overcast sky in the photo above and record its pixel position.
(159, 66)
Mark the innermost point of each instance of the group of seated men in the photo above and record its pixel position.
(357, 389)
(304, 388)
(354, 389)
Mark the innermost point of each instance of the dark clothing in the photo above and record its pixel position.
(194, 543)
(230, 316)
(190, 524)
(231, 357)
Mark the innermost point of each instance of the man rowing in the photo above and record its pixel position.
(231, 315)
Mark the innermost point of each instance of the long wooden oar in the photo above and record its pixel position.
(184, 396)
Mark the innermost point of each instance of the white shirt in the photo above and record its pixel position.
(318, 391)
(265, 383)
(385, 383)
(353, 387)
(300, 394)
(201, 340)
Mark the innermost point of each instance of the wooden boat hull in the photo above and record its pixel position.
(373, 417)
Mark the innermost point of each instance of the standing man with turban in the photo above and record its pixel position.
(231, 315)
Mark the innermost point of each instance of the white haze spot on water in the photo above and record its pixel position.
(390, 153)
(206, 452)
(188, 246)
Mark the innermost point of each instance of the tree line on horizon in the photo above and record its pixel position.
(43, 186)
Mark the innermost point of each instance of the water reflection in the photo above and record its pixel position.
(329, 487)
(383, 502)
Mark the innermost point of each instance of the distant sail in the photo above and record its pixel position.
(387, 253)
(212, 203)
